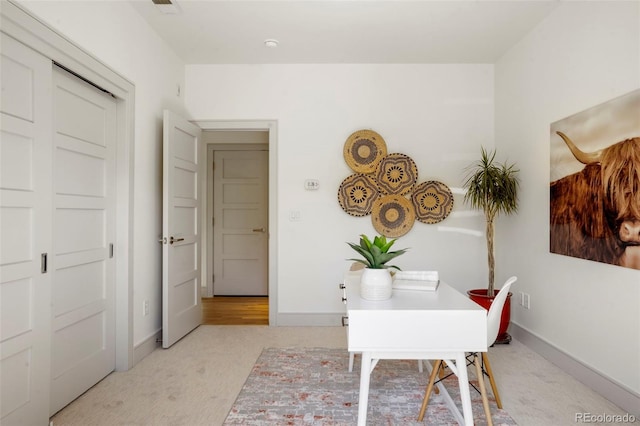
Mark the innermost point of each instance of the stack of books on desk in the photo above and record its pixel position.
(416, 280)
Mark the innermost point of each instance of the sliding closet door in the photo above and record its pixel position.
(25, 226)
(83, 341)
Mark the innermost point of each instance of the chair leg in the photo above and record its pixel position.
(432, 380)
(351, 356)
(483, 390)
(494, 387)
(440, 377)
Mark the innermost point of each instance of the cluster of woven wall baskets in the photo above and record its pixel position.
(385, 187)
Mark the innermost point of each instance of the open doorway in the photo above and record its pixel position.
(238, 240)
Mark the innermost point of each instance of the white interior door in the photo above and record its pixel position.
(25, 226)
(181, 305)
(83, 295)
(240, 241)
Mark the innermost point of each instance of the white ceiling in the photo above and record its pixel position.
(339, 31)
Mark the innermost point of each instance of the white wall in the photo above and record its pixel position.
(437, 114)
(115, 34)
(582, 54)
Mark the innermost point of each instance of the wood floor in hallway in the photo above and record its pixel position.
(235, 310)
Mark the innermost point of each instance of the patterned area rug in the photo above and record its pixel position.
(312, 386)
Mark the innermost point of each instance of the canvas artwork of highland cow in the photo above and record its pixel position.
(595, 183)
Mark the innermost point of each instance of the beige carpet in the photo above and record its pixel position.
(197, 380)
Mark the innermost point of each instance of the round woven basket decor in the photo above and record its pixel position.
(396, 174)
(357, 193)
(433, 201)
(392, 215)
(363, 150)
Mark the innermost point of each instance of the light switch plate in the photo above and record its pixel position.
(311, 184)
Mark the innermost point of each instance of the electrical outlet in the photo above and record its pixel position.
(524, 300)
(145, 308)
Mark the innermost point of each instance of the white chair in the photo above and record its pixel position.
(493, 326)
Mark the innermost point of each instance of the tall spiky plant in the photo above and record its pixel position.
(376, 253)
(493, 188)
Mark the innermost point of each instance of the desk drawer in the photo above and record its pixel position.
(417, 330)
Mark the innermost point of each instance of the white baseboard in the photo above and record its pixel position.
(147, 346)
(309, 320)
(617, 393)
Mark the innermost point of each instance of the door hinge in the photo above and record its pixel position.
(111, 250)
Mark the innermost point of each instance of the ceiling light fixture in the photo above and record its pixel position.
(271, 43)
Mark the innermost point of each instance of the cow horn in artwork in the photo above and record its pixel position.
(581, 156)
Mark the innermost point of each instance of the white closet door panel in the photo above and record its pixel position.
(93, 128)
(75, 317)
(73, 259)
(19, 75)
(81, 203)
(70, 297)
(78, 346)
(80, 173)
(25, 226)
(79, 229)
(15, 302)
(15, 387)
(14, 247)
(83, 346)
(16, 155)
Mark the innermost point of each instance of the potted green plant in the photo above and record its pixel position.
(493, 188)
(375, 283)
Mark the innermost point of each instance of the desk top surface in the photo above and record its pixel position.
(444, 298)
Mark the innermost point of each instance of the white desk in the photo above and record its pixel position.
(444, 324)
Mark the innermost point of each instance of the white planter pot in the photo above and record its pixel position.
(375, 284)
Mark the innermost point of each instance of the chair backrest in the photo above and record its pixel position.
(495, 311)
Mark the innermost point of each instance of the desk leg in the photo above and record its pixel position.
(465, 395)
(365, 379)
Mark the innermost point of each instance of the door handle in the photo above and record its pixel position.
(258, 230)
(175, 240)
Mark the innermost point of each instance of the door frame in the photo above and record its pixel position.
(18, 23)
(270, 126)
(212, 147)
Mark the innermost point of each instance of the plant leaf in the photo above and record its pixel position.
(387, 246)
(364, 253)
(365, 242)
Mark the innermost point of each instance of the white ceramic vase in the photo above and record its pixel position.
(375, 284)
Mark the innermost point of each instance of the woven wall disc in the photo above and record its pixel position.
(393, 215)
(396, 174)
(433, 201)
(363, 150)
(357, 193)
